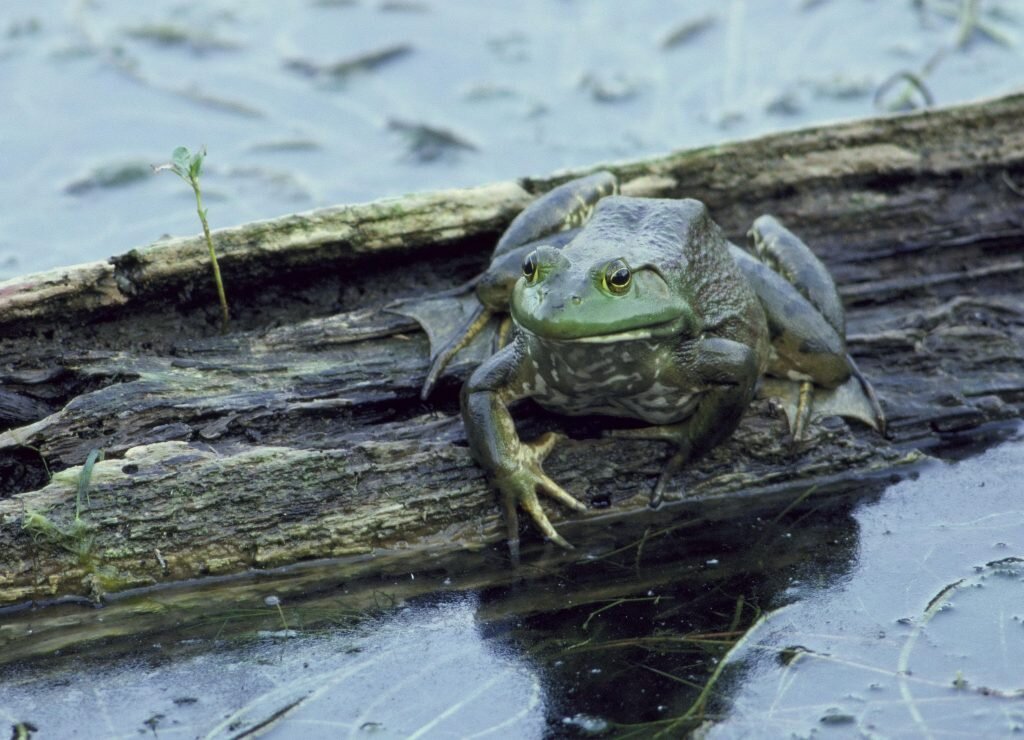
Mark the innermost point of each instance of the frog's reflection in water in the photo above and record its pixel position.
(633, 631)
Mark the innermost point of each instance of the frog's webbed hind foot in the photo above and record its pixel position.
(803, 401)
(439, 360)
(451, 321)
(877, 421)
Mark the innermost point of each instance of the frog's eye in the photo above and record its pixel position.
(530, 266)
(617, 277)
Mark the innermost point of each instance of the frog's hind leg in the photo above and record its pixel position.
(784, 252)
(806, 326)
(675, 435)
(565, 207)
(728, 372)
(504, 333)
(788, 255)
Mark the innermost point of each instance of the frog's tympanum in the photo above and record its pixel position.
(640, 308)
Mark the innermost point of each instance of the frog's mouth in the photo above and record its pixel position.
(675, 327)
(624, 336)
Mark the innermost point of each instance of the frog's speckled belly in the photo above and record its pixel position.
(622, 379)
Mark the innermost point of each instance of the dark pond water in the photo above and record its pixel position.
(898, 613)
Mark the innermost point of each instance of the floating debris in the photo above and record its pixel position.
(688, 31)
(116, 175)
(216, 102)
(489, 91)
(27, 27)
(727, 119)
(282, 185)
(367, 62)
(618, 89)
(587, 725)
(836, 716)
(285, 145)
(842, 87)
(430, 143)
(784, 104)
(510, 48)
(403, 6)
(172, 35)
(72, 52)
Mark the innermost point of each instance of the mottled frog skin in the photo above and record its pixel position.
(640, 308)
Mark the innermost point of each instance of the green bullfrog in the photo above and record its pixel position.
(641, 308)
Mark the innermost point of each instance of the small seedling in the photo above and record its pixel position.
(188, 166)
(77, 537)
(85, 479)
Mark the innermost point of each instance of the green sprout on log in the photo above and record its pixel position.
(188, 166)
(77, 537)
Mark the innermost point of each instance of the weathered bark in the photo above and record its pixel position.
(300, 435)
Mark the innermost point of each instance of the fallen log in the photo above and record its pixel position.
(300, 435)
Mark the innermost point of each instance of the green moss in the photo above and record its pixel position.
(108, 579)
(76, 538)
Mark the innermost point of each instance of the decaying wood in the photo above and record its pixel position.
(633, 553)
(300, 435)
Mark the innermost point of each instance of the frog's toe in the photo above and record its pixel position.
(876, 417)
(531, 505)
(543, 445)
(659, 433)
(521, 488)
(477, 320)
(803, 402)
(559, 494)
(673, 466)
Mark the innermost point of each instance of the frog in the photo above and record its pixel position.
(641, 309)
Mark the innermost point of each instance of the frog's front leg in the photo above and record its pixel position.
(512, 465)
(726, 378)
(728, 373)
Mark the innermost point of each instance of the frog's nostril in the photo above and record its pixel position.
(576, 300)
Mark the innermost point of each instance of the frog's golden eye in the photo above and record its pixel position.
(530, 266)
(617, 277)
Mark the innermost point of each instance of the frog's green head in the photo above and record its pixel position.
(624, 276)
